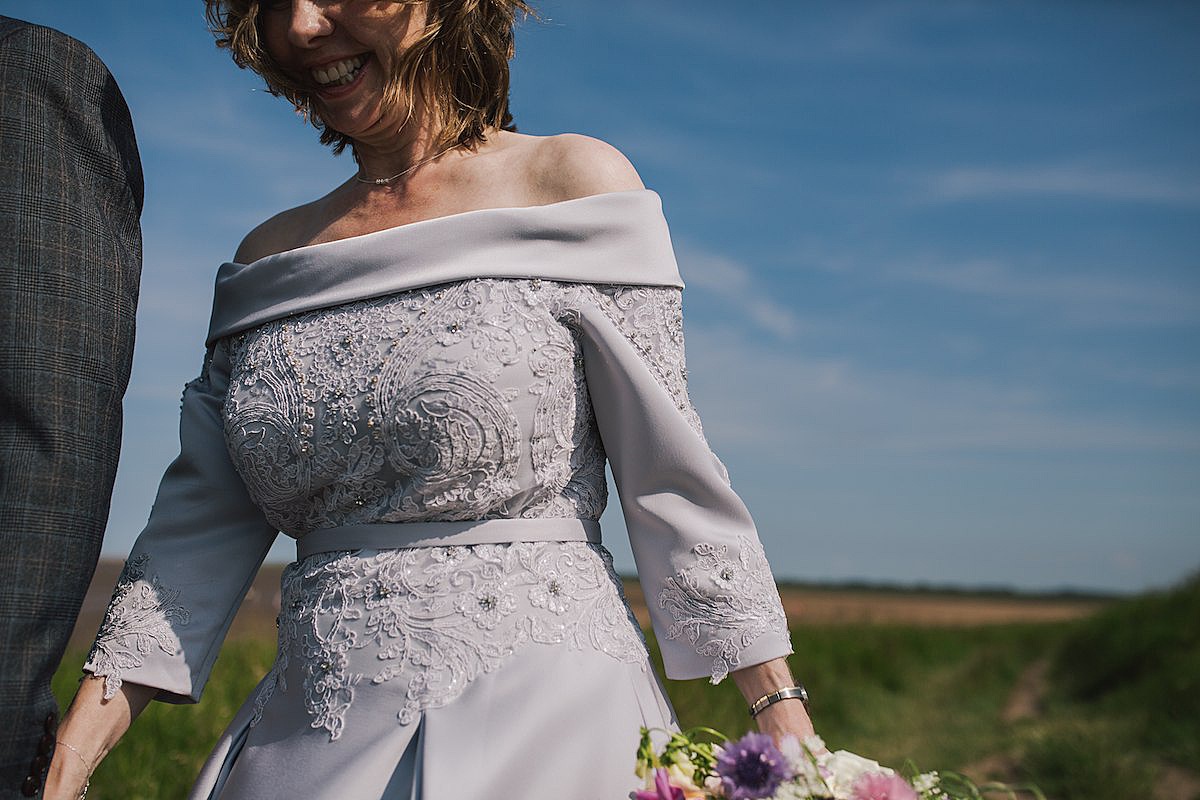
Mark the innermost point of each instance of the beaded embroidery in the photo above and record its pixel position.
(435, 619)
(721, 605)
(141, 618)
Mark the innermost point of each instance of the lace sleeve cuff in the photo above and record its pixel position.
(140, 626)
(726, 607)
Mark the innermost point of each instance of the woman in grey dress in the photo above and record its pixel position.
(420, 377)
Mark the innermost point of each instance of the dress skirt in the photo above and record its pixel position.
(543, 719)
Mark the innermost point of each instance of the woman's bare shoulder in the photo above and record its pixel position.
(279, 233)
(570, 165)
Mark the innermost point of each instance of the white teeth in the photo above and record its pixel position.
(338, 73)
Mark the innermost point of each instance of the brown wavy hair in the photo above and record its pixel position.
(459, 62)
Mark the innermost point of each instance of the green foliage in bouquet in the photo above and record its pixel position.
(755, 767)
(956, 786)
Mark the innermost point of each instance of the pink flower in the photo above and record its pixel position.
(882, 786)
(663, 790)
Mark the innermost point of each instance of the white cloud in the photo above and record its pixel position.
(1086, 181)
(734, 282)
(1088, 299)
(1054, 288)
(1169, 377)
(810, 410)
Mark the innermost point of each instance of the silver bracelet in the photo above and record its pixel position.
(87, 782)
(788, 693)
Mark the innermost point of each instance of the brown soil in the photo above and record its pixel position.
(1176, 783)
(1025, 702)
(833, 606)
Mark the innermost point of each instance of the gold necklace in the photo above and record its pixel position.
(385, 181)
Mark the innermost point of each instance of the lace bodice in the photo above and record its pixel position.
(489, 396)
(456, 402)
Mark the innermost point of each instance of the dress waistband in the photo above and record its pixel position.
(395, 535)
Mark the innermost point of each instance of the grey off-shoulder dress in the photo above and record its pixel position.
(428, 411)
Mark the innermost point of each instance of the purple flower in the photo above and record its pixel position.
(663, 790)
(752, 767)
(882, 786)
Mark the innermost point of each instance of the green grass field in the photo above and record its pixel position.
(1103, 709)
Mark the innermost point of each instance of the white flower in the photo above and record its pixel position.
(801, 759)
(793, 751)
(678, 758)
(792, 791)
(554, 592)
(926, 782)
(487, 605)
(845, 768)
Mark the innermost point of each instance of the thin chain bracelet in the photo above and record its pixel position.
(87, 782)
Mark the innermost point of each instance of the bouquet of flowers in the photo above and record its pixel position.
(754, 768)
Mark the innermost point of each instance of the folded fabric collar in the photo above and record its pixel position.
(612, 238)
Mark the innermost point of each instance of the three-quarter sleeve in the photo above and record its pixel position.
(193, 563)
(713, 601)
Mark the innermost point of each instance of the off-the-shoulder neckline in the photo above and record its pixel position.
(432, 221)
(611, 238)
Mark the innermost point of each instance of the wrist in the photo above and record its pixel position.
(796, 692)
(785, 719)
(69, 775)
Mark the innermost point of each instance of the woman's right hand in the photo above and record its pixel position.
(91, 727)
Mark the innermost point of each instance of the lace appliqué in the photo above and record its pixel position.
(141, 618)
(652, 320)
(721, 606)
(464, 401)
(435, 619)
(455, 402)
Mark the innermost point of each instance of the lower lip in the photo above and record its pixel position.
(333, 92)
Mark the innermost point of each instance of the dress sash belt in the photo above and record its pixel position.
(393, 535)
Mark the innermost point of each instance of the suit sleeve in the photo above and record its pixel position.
(713, 601)
(192, 565)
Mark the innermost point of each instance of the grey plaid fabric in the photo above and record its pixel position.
(70, 260)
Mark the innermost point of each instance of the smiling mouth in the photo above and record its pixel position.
(339, 73)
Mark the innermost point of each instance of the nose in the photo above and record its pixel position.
(310, 20)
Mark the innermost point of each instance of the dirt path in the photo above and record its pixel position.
(1028, 694)
(1027, 702)
(1175, 783)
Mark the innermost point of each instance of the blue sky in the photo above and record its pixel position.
(943, 259)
